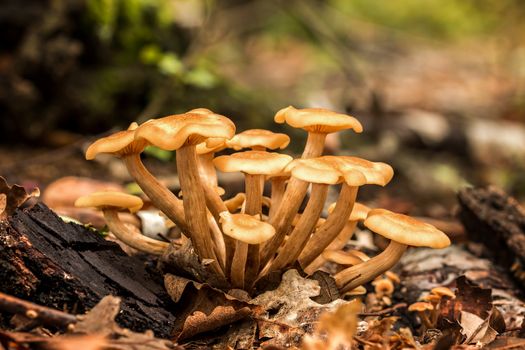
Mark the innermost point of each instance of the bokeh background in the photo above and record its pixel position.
(439, 85)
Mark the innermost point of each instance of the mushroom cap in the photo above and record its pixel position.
(405, 229)
(110, 199)
(359, 290)
(341, 257)
(253, 162)
(191, 128)
(420, 306)
(324, 171)
(394, 277)
(119, 143)
(359, 211)
(235, 202)
(318, 120)
(443, 291)
(246, 228)
(376, 173)
(258, 138)
(211, 145)
(383, 286)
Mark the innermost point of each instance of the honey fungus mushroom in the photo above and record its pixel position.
(123, 145)
(182, 133)
(318, 123)
(111, 203)
(247, 230)
(403, 231)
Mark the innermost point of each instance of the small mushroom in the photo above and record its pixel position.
(247, 230)
(422, 310)
(403, 231)
(254, 165)
(341, 257)
(122, 144)
(258, 140)
(112, 202)
(183, 132)
(383, 287)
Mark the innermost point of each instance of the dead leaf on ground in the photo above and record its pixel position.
(202, 308)
(290, 311)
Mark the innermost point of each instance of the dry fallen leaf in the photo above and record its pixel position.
(290, 311)
(201, 308)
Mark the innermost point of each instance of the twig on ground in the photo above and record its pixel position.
(44, 315)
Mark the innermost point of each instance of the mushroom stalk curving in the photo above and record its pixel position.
(254, 193)
(162, 197)
(131, 238)
(299, 236)
(338, 243)
(195, 204)
(278, 188)
(360, 274)
(331, 227)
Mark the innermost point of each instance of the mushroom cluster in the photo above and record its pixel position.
(248, 236)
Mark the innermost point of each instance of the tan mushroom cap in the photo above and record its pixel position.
(405, 229)
(377, 173)
(214, 145)
(318, 120)
(246, 228)
(119, 143)
(359, 290)
(258, 138)
(324, 171)
(443, 291)
(383, 286)
(191, 128)
(420, 306)
(359, 211)
(253, 162)
(110, 199)
(341, 257)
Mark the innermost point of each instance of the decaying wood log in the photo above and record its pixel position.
(497, 221)
(69, 267)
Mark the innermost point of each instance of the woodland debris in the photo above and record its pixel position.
(496, 220)
(95, 330)
(64, 265)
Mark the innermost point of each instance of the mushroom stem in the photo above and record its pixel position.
(130, 237)
(217, 206)
(425, 320)
(278, 187)
(360, 274)
(194, 203)
(337, 244)
(254, 194)
(162, 197)
(207, 170)
(299, 236)
(292, 199)
(331, 227)
(238, 265)
(314, 145)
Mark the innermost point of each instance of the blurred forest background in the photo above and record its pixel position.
(439, 85)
